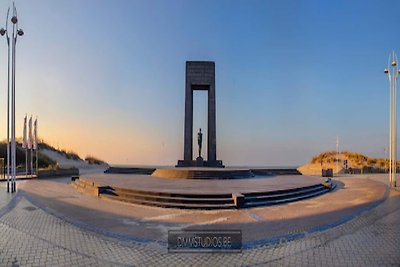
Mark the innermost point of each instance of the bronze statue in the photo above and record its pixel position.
(199, 141)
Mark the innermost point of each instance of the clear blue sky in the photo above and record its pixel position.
(107, 77)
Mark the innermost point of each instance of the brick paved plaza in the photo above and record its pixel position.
(32, 236)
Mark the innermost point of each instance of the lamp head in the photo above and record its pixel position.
(394, 63)
(20, 32)
(386, 71)
(14, 20)
(2, 31)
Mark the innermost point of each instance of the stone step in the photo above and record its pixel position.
(117, 190)
(249, 204)
(257, 199)
(282, 196)
(202, 201)
(176, 199)
(168, 204)
(283, 193)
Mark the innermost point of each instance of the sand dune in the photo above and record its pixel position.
(64, 162)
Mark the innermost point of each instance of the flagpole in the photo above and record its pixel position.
(31, 161)
(26, 163)
(30, 143)
(25, 147)
(37, 147)
(37, 163)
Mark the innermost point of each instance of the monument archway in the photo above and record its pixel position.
(200, 75)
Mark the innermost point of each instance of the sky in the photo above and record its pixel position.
(106, 77)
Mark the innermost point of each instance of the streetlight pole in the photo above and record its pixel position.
(11, 87)
(2, 32)
(393, 73)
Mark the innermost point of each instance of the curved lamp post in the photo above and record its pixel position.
(11, 87)
(393, 73)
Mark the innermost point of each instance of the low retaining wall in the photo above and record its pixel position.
(58, 173)
(273, 172)
(122, 170)
(149, 171)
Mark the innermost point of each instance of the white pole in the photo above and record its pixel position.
(30, 143)
(37, 146)
(31, 161)
(8, 102)
(26, 162)
(37, 162)
(393, 73)
(8, 116)
(390, 131)
(395, 129)
(13, 146)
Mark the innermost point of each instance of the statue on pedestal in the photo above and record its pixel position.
(199, 141)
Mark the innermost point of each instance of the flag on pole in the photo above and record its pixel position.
(35, 139)
(30, 134)
(24, 141)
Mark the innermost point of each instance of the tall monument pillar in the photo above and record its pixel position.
(200, 75)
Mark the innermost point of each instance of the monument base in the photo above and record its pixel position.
(199, 162)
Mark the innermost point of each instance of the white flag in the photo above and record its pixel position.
(35, 139)
(30, 134)
(24, 141)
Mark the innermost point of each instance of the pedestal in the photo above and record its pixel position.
(199, 162)
(205, 163)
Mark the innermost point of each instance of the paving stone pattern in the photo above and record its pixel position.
(31, 237)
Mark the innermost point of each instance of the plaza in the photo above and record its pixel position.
(168, 123)
(48, 223)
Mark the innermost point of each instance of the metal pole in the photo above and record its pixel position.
(8, 118)
(36, 146)
(13, 147)
(11, 87)
(37, 161)
(393, 72)
(390, 132)
(8, 102)
(395, 129)
(26, 163)
(390, 135)
(31, 161)
(392, 129)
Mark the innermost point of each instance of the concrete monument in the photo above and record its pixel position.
(200, 75)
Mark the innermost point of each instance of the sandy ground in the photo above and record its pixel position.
(315, 169)
(83, 166)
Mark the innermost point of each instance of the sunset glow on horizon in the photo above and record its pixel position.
(106, 78)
